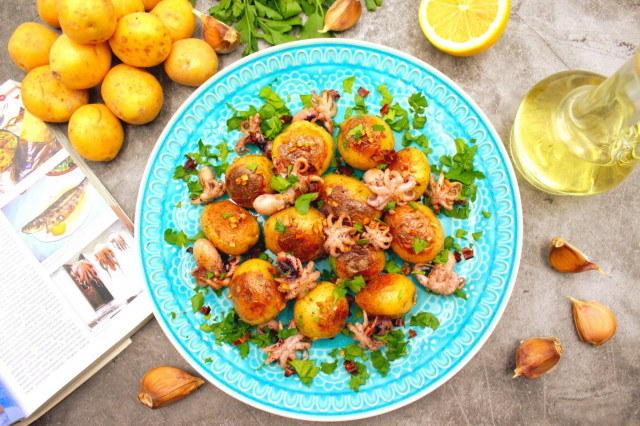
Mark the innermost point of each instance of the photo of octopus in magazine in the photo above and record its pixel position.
(102, 278)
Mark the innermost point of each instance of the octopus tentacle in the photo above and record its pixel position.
(323, 108)
(442, 193)
(378, 235)
(388, 185)
(338, 235)
(297, 280)
(211, 188)
(285, 350)
(361, 333)
(212, 271)
(252, 133)
(441, 279)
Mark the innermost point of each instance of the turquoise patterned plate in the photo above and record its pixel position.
(433, 356)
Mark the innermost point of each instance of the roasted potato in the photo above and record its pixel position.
(248, 177)
(363, 139)
(302, 234)
(79, 66)
(230, 228)
(30, 44)
(318, 315)
(254, 292)
(343, 194)
(304, 140)
(87, 21)
(412, 162)
(413, 228)
(178, 17)
(390, 295)
(141, 40)
(362, 260)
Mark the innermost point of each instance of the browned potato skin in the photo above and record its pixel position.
(302, 236)
(406, 224)
(390, 295)
(304, 140)
(232, 235)
(243, 190)
(366, 260)
(255, 293)
(316, 314)
(359, 153)
(344, 194)
(411, 161)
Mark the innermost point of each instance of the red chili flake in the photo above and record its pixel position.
(205, 310)
(412, 333)
(288, 371)
(189, 250)
(457, 255)
(363, 92)
(384, 110)
(406, 268)
(351, 368)
(284, 119)
(242, 339)
(190, 164)
(345, 170)
(461, 202)
(386, 156)
(314, 187)
(398, 322)
(467, 253)
(350, 298)
(334, 94)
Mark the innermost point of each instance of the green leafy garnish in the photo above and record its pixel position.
(396, 344)
(387, 97)
(280, 184)
(360, 107)
(378, 128)
(392, 267)
(329, 367)
(425, 319)
(283, 334)
(380, 363)
(461, 233)
(197, 301)
(477, 235)
(353, 351)
(226, 215)
(252, 167)
(173, 315)
(461, 294)
(305, 369)
(303, 202)
(178, 238)
(347, 83)
(419, 245)
(359, 379)
(486, 214)
(280, 228)
(390, 206)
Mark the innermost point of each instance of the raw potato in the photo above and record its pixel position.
(87, 21)
(390, 295)
(125, 7)
(362, 260)
(177, 16)
(344, 194)
(244, 185)
(44, 96)
(304, 140)
(141, 40)
(95, 132)
(409, 223)
(302, 234)
(48, 13)
(364, 145)
(79, 66)
(30, 44)
(150, 4)
(133, 95)
(235, 233)
(411, 161)
(191, 62)
(316, 314)
(255, 293)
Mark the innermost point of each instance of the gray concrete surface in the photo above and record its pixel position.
(590, 385)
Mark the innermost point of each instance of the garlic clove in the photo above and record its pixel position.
(536, 356)
(342, 15)
(165, 385)
(217, 34)
(595, 323)
(564, 257)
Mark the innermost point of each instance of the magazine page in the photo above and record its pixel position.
(71, 284)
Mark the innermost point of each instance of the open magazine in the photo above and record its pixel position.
(70, 279)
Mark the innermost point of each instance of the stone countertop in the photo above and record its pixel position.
(589, 385)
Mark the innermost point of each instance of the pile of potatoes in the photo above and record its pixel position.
(61, 68)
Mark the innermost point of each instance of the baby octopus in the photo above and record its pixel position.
(388, 185)
(362, 333)
(212, 271)
(443, 193)
(441, 279)
(323, 108)
(285, 350)
(378, 235)
(296, 280)
(253, 134)
(338, 235)
(211, 188)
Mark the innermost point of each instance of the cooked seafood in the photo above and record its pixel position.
(119, 242)
(212, 271)
(323, 109)
(387, 186)
(106, 258)
(378, 235)
(296, 280)
(285, 350)
(339, 235)
(441, 279)
(59, 211)
(211, 188)
(443, 193)
(362, 333)
(252, 134)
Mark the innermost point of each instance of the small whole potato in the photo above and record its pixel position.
(318, 315)
(364, 260)
(30, 44)
(292, 232)
(125, 7)
(79, 66)
(48, 13)
(363, 139)
(44, 96)
(95, 132)
(191, 62)
(343, 194)
(177, 16)
(414, 227)
(248, 177)
(150, 4)
(389, 295)
(133, 95)
(87, 21)
(303, 139)
(411, 161)
(141, 40)
(254, 292)
(230, 228)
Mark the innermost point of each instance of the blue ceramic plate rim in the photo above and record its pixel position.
(461, 362)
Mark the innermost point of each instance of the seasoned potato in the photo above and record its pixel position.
(302, 234)
(177, 16)
(363, 139)
(255, 293)
(412, 162)
(87, 21)
(390, 295)
(44, 96)
(318, 316)
(79, 66)
(150, 4)
(133, 95)
(141, 40)
(30, 44)
(304, 140)
(125, 7)
(343, 194)
(235, 232)
(414, 227)
(191, 62)
(243, 184)
(48, 13)
(95, 132)
(366, 260)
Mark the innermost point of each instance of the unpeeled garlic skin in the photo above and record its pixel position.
(536, 356)
(564, 257)
(595, 323)
(217, 34)
(342, 15)
(165, 385)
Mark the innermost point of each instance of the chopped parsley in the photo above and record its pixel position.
(360, 108)
(283, 334)
(486, 214)
(347, 83)
(390, 206)
(178, 238)
(392, 267)
(424, 319)
(252, 167)
(387, 97)
(461, 233)
(306, 370)
(477, 235)
(226, 215)
(380, 363)
(197, 301)
(360, 378)
(413, 205)
(461, 294)
(329, 367)
(419, 245)
(378, 128)
(280, 228)
(303, 202)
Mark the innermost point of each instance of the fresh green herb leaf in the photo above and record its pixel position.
(306, 100)
(392, 267)
(360, 107)
(380, 363)
(347, 83)
(355, 284)
(197, 302)
(413, 205)
(283, 334)
(332, 264)
(305, 369)
(390, 206)
(329, 367)
(486, 214)
(419, 245)
(362, 241)
(196, 237)
(358, 226)
(353, 351)
(252, 167)
(424, 319)
(359, 379)
(280, 228)
(387, 97)
(378, 128)
(461, 233)
(280, 184)
(173, 315)
(461, 294)
(348, 112)
(339, 292)
(303, 202)
(178, 204)
(226, 215)
(396, 344)
(381, 166)
(178, 238)
(477, 235)
(261, 340)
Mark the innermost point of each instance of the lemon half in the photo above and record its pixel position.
(463, 27)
